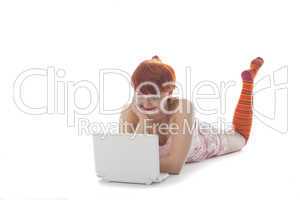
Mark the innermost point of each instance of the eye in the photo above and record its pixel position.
(154, 98)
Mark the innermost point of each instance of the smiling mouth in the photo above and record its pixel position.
(153, 108)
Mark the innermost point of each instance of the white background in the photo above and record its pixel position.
(42, 158)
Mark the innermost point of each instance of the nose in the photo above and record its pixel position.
(147, 104)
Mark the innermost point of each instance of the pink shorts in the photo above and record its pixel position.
(206, 143)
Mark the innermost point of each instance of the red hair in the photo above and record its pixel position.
(156, 72)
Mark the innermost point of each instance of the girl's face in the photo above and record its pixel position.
(149, 102)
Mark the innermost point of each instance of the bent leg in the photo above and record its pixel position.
(232, 142)
(215, 143)
(242, 119)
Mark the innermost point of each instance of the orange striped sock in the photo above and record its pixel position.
(242, 119)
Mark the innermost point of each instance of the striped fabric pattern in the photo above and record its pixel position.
(242, 119)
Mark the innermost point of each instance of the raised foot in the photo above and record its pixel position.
(247, 76)
(256, 65)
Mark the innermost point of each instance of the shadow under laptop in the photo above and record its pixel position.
(187, 171)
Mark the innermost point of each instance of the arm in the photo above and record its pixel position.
(128, 120)
(131, 121)
(181, 141)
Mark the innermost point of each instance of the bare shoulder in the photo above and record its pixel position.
(187, 105)
(185, 109)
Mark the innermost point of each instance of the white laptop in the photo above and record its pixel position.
(131, 158)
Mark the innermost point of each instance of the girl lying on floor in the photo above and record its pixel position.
(183, 138)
